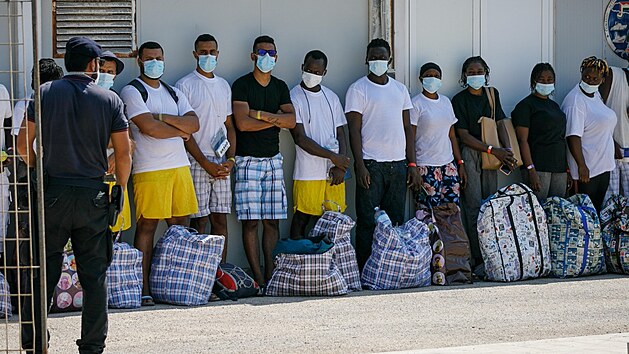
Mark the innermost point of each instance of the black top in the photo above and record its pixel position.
(78, 118)
(263, 143)
(468, 109)
(547, 131)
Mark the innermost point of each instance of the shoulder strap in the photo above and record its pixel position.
(170, 90)
(138, 86)
(491, 97)
(145, 95)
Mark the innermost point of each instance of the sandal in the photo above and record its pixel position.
(147, 300)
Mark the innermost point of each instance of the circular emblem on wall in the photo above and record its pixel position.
(616, 25)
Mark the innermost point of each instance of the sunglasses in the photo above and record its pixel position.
(271, 52)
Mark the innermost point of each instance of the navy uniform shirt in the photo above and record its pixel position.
(78, 118)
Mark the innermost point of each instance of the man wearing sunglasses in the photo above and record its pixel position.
(261, 107)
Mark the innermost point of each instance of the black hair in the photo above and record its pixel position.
(149, 45)
(76, 62)
(537, 71)
(596, 63)
(379, 43)
(469, 61)
(263, 39)
(317, 55)
(204, 38)
(429, 66)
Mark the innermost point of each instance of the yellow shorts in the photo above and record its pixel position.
(164, 194)
(309, 197)
(126, 213)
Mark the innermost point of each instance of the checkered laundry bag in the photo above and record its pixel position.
(615, 231)
(306, 275)
(337, 227)
(400, 256)
(184, 266)
(124, 277)
(5, 299)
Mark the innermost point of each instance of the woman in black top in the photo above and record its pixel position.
(469, 105)
(541, 129)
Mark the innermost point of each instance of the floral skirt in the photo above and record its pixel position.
(441, 185)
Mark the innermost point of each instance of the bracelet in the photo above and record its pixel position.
(530, 167)
(258, 115)
(231, 159)
(489, 149)
(460, 162)
(412, 164)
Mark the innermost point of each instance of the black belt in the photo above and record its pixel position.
(92, 183)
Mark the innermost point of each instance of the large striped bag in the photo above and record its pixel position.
(184, 266)
(576, 244)
(400, 256)
(615, 229)
(334, 272)
(513, 235)
(6, 309)
(124, 277)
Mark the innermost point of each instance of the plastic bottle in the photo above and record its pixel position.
(381, 217)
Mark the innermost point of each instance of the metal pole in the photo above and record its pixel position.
(41, 242)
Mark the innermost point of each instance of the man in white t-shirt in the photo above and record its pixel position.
(377, 109)
(161, 120)
(321, 161)
(615, 93)
(5, 113)
(213, 147)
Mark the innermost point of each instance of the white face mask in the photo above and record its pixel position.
(590, 89)
(311, 80)
(378, 67)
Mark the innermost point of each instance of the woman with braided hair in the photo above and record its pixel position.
(589, 132)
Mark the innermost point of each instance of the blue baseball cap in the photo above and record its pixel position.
(111, 56)
(83, 46)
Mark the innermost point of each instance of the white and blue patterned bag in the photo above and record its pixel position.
(576, 244)
(124, 277)
(184, 266)
(5, 299)
(615, 229)
(400, 257)
(513, 235)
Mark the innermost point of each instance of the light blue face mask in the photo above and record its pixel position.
(590, 89)
(476, 81)
(207, 63)
(154, 69)
(378, 67)
(544, 89)
(431, 84)
(265, 63)
(105, 80)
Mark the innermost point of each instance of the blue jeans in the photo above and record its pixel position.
(387, 191)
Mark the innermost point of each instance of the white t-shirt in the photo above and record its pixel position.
(5, 110)
(381, 106)
(433, 119)
(153, 154)
(211, 99)
(320, 113)
(19, 112)
(590, 119)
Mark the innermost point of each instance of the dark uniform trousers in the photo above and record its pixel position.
(79, 214)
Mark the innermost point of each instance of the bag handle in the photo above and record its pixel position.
(338, 206)
(491, 97)
(119, 231)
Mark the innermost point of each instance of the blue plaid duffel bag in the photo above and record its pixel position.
(184, 266)
(400, 256)
(6, 310)
(124, 277)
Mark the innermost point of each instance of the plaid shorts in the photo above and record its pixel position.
(260, 191)
(213, 195)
